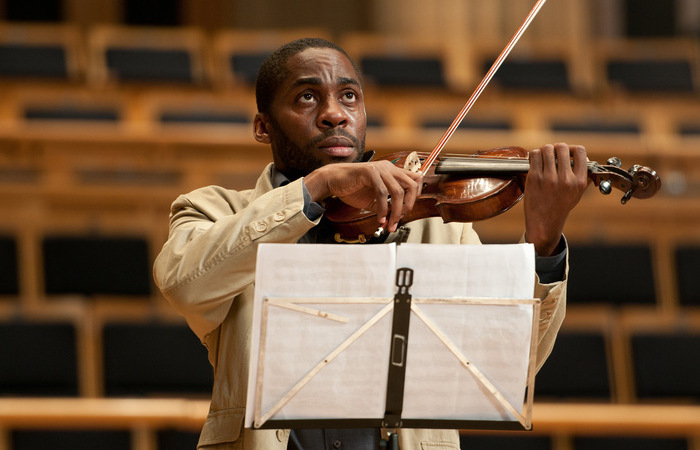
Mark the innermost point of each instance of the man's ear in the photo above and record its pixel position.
(261, 128)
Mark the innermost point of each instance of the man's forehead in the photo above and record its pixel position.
(312, 64)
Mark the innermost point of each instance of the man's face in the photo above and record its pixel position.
(318, 114)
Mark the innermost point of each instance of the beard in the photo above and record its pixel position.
(299, 161)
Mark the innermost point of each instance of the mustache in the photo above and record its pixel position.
(334, 133)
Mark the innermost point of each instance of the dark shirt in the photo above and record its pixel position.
(334, 439)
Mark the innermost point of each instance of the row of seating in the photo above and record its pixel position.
(159, 111)
(108, 54)
(104, 439)
(538, 442)
(171, 439)
(40, 359)
(582, 368)
(120, 266)
(84, 265)
(97, 319)
(157, 423)
(64, 138)
(155, 359)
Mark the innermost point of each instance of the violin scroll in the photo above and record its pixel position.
(638, 182)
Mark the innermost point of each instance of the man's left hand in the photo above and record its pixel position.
(551, 191)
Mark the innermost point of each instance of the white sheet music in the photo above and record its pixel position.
(356, 283)
(480, 271)
(313, 271)
(488, 271)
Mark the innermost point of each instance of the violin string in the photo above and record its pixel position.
(482, 85)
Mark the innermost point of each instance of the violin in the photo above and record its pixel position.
(480, 186)
(471, 188)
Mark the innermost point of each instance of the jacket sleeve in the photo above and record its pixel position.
(552, 312)
(211, 250)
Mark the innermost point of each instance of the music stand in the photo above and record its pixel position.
(320, 359)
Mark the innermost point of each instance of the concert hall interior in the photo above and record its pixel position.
(110, 109)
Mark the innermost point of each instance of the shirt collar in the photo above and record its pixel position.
(277, 178)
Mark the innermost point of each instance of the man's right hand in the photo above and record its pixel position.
(372, 186)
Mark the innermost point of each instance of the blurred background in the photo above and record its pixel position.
(109, 109)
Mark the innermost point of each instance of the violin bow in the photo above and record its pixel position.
(482, 85)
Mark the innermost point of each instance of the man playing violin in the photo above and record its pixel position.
(311, 112)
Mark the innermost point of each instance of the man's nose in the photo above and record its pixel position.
(332, 114)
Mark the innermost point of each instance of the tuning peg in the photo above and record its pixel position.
(627, 196)
(614, 161)
(605, 187)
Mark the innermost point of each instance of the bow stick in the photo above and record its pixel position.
(484, 82)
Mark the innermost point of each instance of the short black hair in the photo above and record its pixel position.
(274, 69)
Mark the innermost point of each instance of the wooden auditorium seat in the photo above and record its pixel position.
(9, 275)
(536, 66)
(403, 71)
(69, 106)
(90, 266)
(596, 125)
(50, 439)
(202, 108)
(123, 54)
(154, 359)
(690, 129)
(638, 65)
(471, 123)
(68, 110)
(621, 129)
(665, 365)
(621, 133)
(629, 442)
(38, 359)
(393, 61)
(203, 116)
(172, 439)
(651, 76)
(687, 265)
(577, 369)
(238, 54)
(612, 274)
(500, 442)
(47, 52)
(530, 74)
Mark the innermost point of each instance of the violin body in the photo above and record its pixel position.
(478, 187)
(454, 197)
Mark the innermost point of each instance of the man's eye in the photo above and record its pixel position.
(307, 97)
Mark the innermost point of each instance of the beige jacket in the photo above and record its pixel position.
(206, 271)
